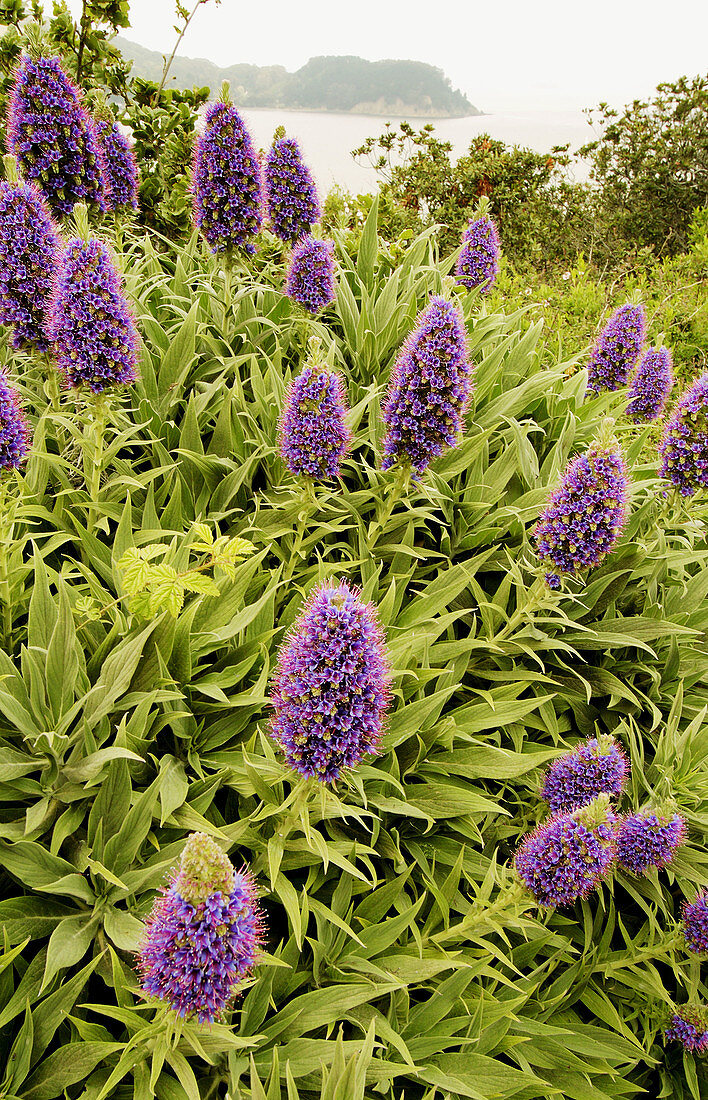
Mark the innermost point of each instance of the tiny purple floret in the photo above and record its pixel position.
(310, 277)
(314, 437)
(14, 429)
(226, 182)
(649, 839)
(29, 247)
(478, 262)
(684, 444)
(651, 385)
(120, 166)
(291, 195)
(617, 349)
(597, 766)
(689, 1026)
(695, 923)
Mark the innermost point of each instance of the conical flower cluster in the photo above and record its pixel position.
(14, 429)
(684, 445)
(291, 195)
(478, 262)
(314, 437)
(331, 688)
(203, 934)
(651, 385)
(649, 839)
(119, 165)
(568, 855)
(617, 350)
(430, 388)
(598, 766)
(310, 277)
(689, 1026)
(53, 137)
(695, 924)
(93, 331)
(226, 182)
(585, 515)
(29, 245)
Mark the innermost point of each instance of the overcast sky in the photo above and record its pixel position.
(502, 53)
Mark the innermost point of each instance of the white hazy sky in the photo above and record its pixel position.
(502, 53)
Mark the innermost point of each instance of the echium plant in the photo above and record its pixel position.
(597, 766)
(331, 689)
(478, 262)
(202, 936)
(14, 429)
(585, 515)
(310, 276)
(689, 1026)
(651, 385)
(226, 181)
(684, 445)
(649, 839)
(314, 436)
(290, 192)
(617, 349)
(695, 923)
(52, 136)
(429, 390)
(29, 246)
(120, 167)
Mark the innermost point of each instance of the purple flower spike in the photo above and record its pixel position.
(684, 445)
(585, 515)
(651, 385)
(314, 437)
(29, 245)
(310, 278)
(202, 936)
(695, 924)
(90, 322)
(568, 855)
(226, 182)
(598, 766)
(616, 352)
(689, 1026)
(331, 688)
(291, 196)
(429, 390)
(53, 137)
(478, 262)
(649, 839)
(120, 166)
(14, 429)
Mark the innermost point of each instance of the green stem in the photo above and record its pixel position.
(93, 455)
(9, 497)
(396, 490)
(309, 507)
(480, 912)
(537, 593)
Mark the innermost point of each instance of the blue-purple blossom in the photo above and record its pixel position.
(53, 137)
(695, 923)
(650, 385)
(29, 244)
(120, 166)
(202, 936)
(93, 331)
(226, 182)
(478, 262)
(597, 766)
(291, 195)
(689, 1026)
(567, 856)
(314, 437)
(310, 277)
(684, 444)
(331, 689)
(649, 839)
(429, 390)
(585, 515)
(14, 429)
(617, 349)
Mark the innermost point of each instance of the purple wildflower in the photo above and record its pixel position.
(89, 321)
(290, 192)
(429, 390)
(649, 839)
(597, 766)
(120, 166)
(203, 934)
(313, 434)
(53, 137)
(331, 688)
(651, 385)
(684, 444)
(695, 923)
(29, 244)
(585, 515)
(14, 429)
(478, 262)
(616, 352)
(689, 1026)
(310, 278)
(567, 856)
(226, 182)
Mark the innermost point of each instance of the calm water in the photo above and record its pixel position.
(328, 139)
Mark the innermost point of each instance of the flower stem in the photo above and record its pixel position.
(396, 490)
(93, 454)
